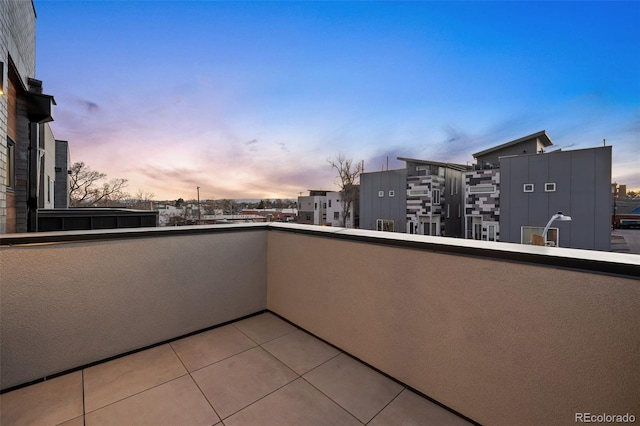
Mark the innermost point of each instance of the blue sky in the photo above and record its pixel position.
(250, 99)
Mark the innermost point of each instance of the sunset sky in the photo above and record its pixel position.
(250, 99)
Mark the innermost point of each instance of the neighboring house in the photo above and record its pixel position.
(23, 109)
(508, 195)
(312, 208)
(482, 185)
(325, 208)
(516, 187)
(434, 197)
(62, 181)
(383, 200)
(46, 168)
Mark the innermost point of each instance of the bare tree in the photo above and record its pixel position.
(88, 189)
(349, 177)
(142, 200)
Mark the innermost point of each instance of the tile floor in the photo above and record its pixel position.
(258, 371)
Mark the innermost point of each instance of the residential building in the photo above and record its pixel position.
(434, 197)
(46, 168)
(23, 109)
(508, 195)
(383, 199)
(516, 187)
(62, 181)
(312, 209)
(325, 208)
(482, 185)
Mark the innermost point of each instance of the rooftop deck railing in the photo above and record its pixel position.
(501, 333)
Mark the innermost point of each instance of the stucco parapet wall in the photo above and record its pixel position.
(594, 261)
(622, 264)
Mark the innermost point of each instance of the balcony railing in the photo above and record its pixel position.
(502, 333)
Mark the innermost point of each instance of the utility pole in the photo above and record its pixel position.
(198, 190)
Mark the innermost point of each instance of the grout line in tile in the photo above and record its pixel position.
(332, 400)
(261, 398)
(138, 393)
(260, 344)
(404, 388)
(206, 399)
(323, 363)
(222, 359)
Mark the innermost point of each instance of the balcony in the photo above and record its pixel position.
(293, 324)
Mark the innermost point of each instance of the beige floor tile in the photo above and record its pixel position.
(264, 327)
(47, 403)
(410, 409)
(359, 389)
(211, 346)
(178, 402)
(296, 404)
(236, 382)
(300, 351)
(115, 380)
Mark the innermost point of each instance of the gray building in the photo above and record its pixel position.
(509, 195)
(383, 200)
(23, 109)
(536, 186)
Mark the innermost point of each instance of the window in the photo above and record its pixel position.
(324, 206)
(482, 189)
(10, 171)
(455, 184)
(550, 187)
(448, 209)
(315, 206)
(384, 225)
(435, 197)
(526, 233)
(380, 194)
(491, 232)
(392, 193)
(336, 215)
(329, 203)
(418, 192)
(429, 169)
(527, 187)
(459, 208)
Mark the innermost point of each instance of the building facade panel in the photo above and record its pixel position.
(17, 57)
(583, 193)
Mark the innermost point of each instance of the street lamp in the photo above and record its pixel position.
(198, 190)
(559, 217)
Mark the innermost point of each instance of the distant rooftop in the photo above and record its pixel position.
(454, 166)
(542, 135)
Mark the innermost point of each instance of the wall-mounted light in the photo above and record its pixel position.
(1, 78)
(559, 217)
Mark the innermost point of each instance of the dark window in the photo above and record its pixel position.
(10, 170)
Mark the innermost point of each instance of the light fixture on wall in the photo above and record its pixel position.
(1, 78)
(559, 217)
